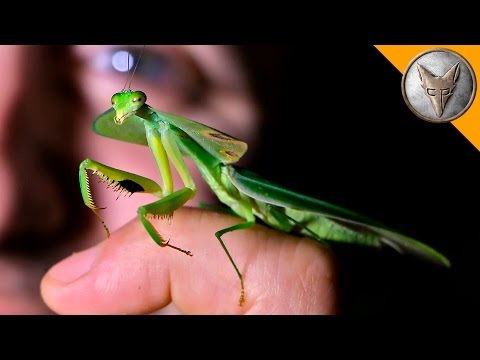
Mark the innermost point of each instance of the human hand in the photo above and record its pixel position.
(129, 274)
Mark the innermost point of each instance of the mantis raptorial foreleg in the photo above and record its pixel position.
(124, 181)
(164, 208)
(116, 179)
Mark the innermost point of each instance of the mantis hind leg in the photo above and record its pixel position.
(250, 221)
(164, 208)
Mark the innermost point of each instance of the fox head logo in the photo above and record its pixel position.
(438, 88)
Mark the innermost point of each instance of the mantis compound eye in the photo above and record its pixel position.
(114, 99)
(139, 97)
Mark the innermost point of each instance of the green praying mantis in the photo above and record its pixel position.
(171, 138)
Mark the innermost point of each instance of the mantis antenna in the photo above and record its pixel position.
(128, 67)
(130, 78)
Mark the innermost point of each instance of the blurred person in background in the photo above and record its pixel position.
(51, 95)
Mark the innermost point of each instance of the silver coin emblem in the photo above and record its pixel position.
(439, 85)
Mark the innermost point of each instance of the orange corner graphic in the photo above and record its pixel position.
(401, 55)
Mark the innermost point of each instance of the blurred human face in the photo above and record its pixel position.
(205, 83)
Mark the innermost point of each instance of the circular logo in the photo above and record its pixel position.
(439, 85)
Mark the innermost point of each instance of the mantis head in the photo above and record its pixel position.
(126, 103)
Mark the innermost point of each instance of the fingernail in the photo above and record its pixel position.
(75, 266)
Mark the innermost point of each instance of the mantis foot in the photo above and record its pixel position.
(241, 300)
(187, 252)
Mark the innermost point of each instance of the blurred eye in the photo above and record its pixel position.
(121, 61)
(153, 66)
(164, 71)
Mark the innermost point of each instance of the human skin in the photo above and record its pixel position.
(129, 274)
